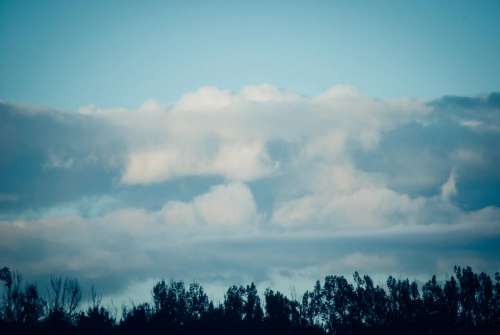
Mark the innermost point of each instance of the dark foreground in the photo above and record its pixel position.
(466, 303)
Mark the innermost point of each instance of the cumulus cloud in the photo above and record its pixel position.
(235, 161)
(217, 132)
(205, 100)
(258, 184)
(225, 205)
(128, 241)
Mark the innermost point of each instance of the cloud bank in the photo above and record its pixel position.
(262, 184)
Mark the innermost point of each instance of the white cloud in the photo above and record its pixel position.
(244, 161)
(154, 165)
(217, 132)
(345, 208)
(205, 99)
(235, 161)
(178, 212)
(231, 204)
(227, 205)
(449, 188)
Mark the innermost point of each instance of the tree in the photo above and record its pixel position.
(312, 305)
(136, 320)
(32, 306)
(234, 303)
(371, 303)
(466, 303)
(64, 296)
(170, 306)
(20, 306)
(96, 319)
(469, 286)
(197, 301)
(252, 309)
(451, 301)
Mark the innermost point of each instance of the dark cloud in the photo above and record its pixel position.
(461, 103)
(49, 157)
(460, 134)
(226, 261)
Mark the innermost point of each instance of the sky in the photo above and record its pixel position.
(227, 142)
(118, 53)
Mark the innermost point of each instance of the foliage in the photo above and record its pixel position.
(465, 303)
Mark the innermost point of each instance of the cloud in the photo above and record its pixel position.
(225, 205)
(260, 184)
(449, 189)
(417, 156)
(217, 132)
(235, 161)
(205, 100)
(48, 157)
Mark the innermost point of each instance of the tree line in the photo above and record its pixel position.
(465, 303)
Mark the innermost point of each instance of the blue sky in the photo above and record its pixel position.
(228, 142)
(67, 54)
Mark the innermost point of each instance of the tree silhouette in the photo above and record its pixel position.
(465, 303)
(96, 319)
